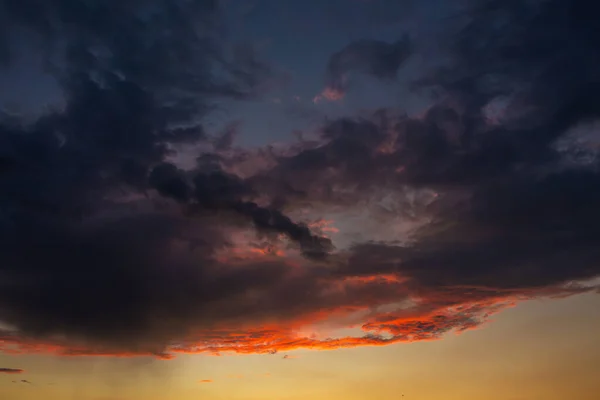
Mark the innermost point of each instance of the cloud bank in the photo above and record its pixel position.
(395, 228)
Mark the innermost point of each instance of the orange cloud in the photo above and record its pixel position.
(205, 381)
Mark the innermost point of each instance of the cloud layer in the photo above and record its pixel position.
(390, 227)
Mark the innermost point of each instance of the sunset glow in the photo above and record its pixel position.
(299, 200)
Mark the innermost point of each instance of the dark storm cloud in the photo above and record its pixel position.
(96, 36)
(170, 48)
(510, 214)
(81, 231)
(219, 191)
(346, 156)
(524, 233)
(521, 57)
(106, 247)
(372, 57)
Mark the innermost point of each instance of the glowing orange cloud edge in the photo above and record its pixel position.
(434, 314)
(274, 339)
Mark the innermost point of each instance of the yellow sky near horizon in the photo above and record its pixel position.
(542, 349)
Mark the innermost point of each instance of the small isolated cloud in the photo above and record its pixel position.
(288, 357)
(329, 94)
(375, 58)
(205, 381)
(11, 371)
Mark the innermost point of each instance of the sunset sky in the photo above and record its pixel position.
(316, 199)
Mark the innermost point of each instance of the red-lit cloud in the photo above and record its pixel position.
(380, 309)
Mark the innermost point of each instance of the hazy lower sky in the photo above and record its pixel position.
(337, 199)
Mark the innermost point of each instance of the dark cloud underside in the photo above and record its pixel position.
(108, 247)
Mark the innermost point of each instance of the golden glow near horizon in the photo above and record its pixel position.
(537, 350)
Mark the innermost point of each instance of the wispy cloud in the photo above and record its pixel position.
(378, 59)
(11, 371)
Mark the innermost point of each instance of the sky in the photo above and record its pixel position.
(261, 199)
